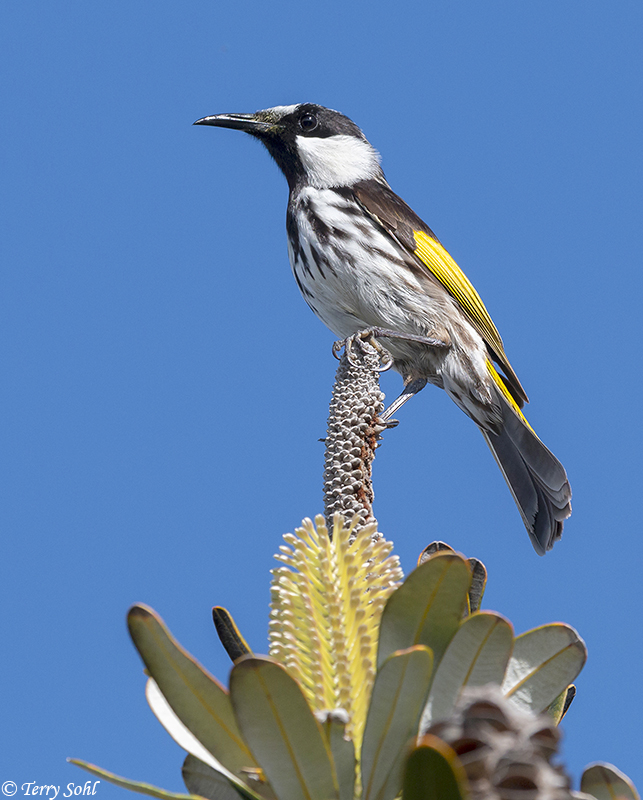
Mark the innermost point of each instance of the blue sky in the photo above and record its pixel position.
(164, 385)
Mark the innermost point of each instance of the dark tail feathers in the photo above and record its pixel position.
(537, 479)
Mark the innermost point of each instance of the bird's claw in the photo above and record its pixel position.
(385, 424)
(369, 335)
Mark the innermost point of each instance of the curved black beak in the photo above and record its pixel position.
(241, 122)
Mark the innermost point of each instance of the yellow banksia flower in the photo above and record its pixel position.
(327, 601)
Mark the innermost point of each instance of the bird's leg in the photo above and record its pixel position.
(372, 334)
(410, 389)
(431, 341)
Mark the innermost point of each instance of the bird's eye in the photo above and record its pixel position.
(308, 122)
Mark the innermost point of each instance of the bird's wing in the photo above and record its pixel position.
(404, 225)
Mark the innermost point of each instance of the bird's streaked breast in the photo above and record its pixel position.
(351, 273)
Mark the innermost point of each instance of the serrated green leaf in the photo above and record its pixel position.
(434, 772)
(282, 732)
(399, 694)
(427, 608)
(476, 656)
(197, 698)
(203, 780)
(544, 662)
(134, 786)
(606, 782)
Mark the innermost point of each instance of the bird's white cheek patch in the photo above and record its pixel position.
(337, 160)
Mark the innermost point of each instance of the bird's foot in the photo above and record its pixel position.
(382, 424)
(369, 335)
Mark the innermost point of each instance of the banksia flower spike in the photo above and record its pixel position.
(327, 601)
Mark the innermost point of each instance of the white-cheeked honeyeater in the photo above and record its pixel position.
(363, 259)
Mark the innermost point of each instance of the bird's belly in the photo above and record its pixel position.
(363, 280)
(360, 279)
(354, 277)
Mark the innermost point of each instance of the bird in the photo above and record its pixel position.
(364, 260)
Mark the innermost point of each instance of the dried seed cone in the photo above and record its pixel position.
(506, 753)
(352, 435)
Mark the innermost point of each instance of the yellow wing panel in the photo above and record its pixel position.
(436, 258)
(439, 262)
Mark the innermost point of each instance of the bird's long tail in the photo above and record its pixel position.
(537, 479)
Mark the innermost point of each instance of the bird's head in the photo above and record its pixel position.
(313, 145)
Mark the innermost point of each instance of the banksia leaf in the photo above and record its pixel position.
(231, 639)
(207, 782)
(399, 694)
(198, 700)
(544, 662)
(327, 601)
(605, 782)
(427, 608)
(342, 750)
(478, 573)
(476, 656)
(196, 751)
(282, 732)
(561, 704)
(434, 772)
(135, 786)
